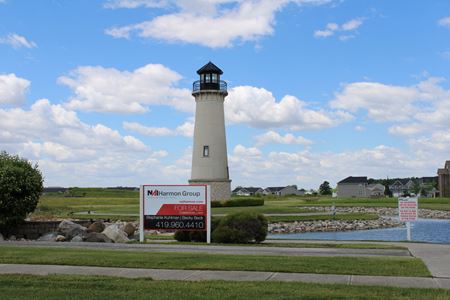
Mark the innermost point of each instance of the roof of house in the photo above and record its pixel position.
(248, 189)
(275, 188)
(209, 68)
(354, 179)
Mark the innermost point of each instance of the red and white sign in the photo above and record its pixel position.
(175, 207)
(407, 208)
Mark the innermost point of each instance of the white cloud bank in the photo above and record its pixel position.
(185, 129)
(257, 107)
(17, 41)
(445, 22)
(71, 152)
(272, 137)
(13, 89)
(217, 23)
(110, 90)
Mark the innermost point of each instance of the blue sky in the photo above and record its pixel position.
(98, 92)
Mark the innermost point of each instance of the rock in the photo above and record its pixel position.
(116, 234)
(1, 238)
(95, 237)
(129, 229)
(48, 237)
(12, 238)
(60, 238)
(70, 229)
(77, 239)
(97, 226)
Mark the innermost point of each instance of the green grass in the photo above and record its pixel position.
(340, 217)
(108, 202)
(56, 287)
(383, 266)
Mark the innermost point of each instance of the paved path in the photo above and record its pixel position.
(197, 275)
(435, 256)
(217, 249)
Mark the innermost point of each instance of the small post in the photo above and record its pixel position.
(408, 231)
(141, 214)
(333, 211)
(208, 214)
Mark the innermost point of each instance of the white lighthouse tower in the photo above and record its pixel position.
(209, 155)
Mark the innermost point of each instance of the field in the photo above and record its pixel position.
(100, 287)
(124, 205)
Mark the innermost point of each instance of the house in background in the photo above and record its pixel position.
(375, 190)
(444, 180)
(352, 187)
(281, 190)
(247, 191)
(401, 187)
(301, 192)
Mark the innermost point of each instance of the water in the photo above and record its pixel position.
(422, 230)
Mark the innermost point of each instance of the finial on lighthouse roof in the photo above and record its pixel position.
(209, 68)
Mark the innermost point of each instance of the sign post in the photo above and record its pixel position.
(407, 211)
(175, 207)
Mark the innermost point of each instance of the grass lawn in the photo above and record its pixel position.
(101, 287)
(111, 203)
(383, 266)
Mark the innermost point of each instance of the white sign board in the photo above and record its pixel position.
(175, 207)
(407, 209)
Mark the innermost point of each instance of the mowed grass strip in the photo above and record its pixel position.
(101, 287)
(383, 266)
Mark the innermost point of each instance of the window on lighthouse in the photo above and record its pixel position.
(205, 151)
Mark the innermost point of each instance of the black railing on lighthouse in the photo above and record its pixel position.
(220, 86)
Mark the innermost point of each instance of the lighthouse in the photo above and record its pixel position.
(209, 153)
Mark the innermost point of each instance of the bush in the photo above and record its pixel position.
(195, 236)
(241, 228)
(238, 202)
(21, 185)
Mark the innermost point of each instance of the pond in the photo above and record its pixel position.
(422, 230)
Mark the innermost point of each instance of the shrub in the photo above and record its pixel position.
(238, 202)
(21, 185)
(241, 228)
(195, 236)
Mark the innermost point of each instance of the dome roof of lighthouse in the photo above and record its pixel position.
(209, 68)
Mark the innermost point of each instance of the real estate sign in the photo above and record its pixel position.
(175, 207)
(407, 208)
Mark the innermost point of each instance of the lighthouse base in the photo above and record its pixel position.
(220, 189)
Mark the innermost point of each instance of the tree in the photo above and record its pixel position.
(325, 189)
(21, 185)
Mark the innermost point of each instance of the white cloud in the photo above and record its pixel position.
(13, 89)
(382, 102)
(257, 107)
(332, 28)
(360, 128)
(274, 137)
(218, 23)
(310, 168)
(134, 3)
(352, 24)
(446, 54)
(71, 152)
(111, 90)
(445, 22)
(17, 41)
(186, 129)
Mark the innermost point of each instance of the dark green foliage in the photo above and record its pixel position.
(241, 228)
(238, 202)
(195, 236)
(21, 185)
(325, 188)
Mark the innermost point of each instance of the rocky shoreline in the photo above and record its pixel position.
(331, 225)
(382, 211)
(385, 220)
